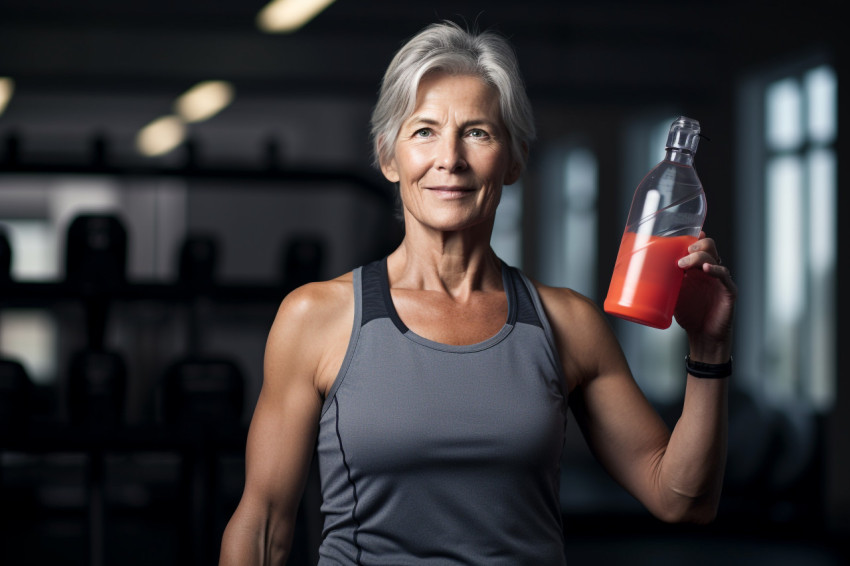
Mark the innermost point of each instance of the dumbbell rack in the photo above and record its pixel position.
(198, 446)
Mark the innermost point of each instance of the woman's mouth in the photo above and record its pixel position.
(449, 192)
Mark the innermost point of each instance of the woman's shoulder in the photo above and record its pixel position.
(564, 301)
(319, 300)
(310, 331)
(582, 332)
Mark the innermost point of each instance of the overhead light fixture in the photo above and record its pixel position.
(204, 100)
(284, 16)
(161, 136)
(7, 88)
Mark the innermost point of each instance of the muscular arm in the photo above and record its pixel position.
(284, 426)
(677, 476)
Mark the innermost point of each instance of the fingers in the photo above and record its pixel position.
(700, 253)
(707, 245)
(718, 271)
(704, 255)
(704, 250)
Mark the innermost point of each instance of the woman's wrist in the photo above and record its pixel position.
(704, 370)
(710, 351)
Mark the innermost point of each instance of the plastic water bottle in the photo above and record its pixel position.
(666, 216)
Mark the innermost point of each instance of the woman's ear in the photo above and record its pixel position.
(390, 171)
(512, 174)
(515, 169)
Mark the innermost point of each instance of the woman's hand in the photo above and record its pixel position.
(706, 303)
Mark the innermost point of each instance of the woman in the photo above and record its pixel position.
(435, 383)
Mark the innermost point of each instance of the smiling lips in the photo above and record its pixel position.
(450, 192)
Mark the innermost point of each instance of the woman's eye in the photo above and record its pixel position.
(422, 133)
(477, 133)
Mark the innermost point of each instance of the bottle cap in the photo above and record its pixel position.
(684, 135)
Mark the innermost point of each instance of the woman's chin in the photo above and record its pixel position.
(454, 224)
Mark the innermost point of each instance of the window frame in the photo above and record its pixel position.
(754, 321)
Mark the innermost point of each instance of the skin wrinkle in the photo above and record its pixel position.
(452, 111)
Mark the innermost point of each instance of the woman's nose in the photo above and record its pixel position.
(450, 155)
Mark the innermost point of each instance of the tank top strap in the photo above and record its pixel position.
(524, 302)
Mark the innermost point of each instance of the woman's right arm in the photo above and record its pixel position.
(283, 430)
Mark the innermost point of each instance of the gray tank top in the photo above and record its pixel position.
(433, 454)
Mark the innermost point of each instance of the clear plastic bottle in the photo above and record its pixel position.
(666, 216)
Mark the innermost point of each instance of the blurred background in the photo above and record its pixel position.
(169, 170)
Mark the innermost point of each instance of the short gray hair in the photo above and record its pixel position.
(449, 48)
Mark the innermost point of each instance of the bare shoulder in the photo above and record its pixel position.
(311, 330)
(321, 302)
(586, 342)
(566, 305)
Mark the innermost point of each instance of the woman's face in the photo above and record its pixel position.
(453, 154)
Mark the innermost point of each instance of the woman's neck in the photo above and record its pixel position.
(456, 263)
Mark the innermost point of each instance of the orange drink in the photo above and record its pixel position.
(646, 280)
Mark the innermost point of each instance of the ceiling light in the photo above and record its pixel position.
(289, 15)
(204, 100)
(7, 87)
(161, 136)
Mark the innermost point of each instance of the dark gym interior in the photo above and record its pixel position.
(137, 286)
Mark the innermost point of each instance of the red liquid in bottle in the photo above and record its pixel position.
(646, 280)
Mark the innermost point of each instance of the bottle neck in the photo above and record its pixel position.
(679, 156)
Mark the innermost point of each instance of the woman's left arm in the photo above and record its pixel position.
(695, 459)
(677, 476)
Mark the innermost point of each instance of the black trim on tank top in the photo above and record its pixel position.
(353, 488)
(526, 314)
(389, 307)
(377, 299)
(371, 290)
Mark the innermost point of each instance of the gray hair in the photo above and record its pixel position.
(449, 48)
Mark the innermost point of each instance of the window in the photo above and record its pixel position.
(30, 335)
(35, 213)
(580, 220)
(798, 224)
(568, 218)
(507, 230)
(33, 241)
